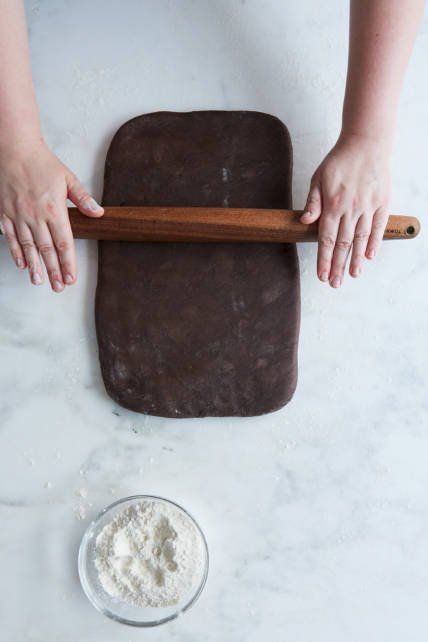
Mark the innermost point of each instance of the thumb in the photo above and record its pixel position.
(82, 199)
(313, 206)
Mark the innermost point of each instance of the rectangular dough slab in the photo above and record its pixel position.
(197, 330)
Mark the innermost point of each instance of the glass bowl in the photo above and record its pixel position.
(114, 607)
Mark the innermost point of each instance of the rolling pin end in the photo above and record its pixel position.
(413, 230)
(402, 227)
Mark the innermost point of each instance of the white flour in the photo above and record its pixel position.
(149, 554)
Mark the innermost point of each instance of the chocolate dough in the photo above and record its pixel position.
(196, 330)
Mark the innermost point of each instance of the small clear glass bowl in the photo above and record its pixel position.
(115, 608)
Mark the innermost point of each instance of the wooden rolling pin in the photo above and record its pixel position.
(209, 224)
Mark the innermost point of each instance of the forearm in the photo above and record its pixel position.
(381, 37)
(19, 118)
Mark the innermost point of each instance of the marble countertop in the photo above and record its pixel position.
(316, 516)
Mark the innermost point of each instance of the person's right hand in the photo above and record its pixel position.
(34, 187)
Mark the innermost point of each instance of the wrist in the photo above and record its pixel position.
(20, 141)
(382, 142)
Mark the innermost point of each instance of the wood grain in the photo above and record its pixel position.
(211, 224)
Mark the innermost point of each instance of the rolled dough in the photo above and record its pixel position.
(196, 330)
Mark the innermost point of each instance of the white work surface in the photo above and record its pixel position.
(316, 516)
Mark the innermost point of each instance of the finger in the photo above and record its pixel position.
(60, 231)
(379, 222)
(47, 251)
(313, 206)
(327, 234)
(26, 241)
(359, 246)
(341, 250)
(12, 241)
(82, 199)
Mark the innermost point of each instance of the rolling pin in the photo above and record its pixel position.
(211, 224)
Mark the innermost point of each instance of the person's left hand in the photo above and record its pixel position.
(349, 195)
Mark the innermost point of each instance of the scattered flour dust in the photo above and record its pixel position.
(149, 554)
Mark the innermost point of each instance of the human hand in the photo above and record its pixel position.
(34, 186)
(349, 195)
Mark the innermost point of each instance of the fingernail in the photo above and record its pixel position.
(37, 279)
(335, 283)
(68, 279)
(356, 271)
(370, 254)
(57, 286)
(92, 205)
(324, 276)
(20, 263)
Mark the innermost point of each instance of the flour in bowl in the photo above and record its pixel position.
(150, 554)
